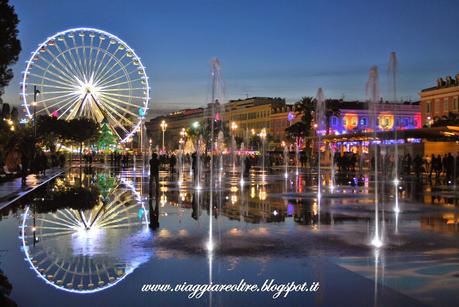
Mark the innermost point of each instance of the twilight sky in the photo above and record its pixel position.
(267, 48)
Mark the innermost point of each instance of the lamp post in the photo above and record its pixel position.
(36, 92)
(263, 137)
(181, 152)
(163, 128)
(233, 144)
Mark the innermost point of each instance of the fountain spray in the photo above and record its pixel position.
(286, 158)
(320, 113)
(393, 90)
(373, 93)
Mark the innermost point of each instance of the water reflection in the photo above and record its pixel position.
(90, 243)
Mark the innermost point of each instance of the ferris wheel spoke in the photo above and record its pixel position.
(125, 89)
(63, 103)
(72, 215)
(115, 217)
(58, 102)
(77, 52)
(106, 111)
(83, 44)
(110, 79)
(57, 234)
(99, 66)
(127, 103)
(46, 108)
(57, 222)
(66, 219)
(50, 79)
(115, 120)
(72, 70)
(69, 106)
(79, 74)
(61, 76)
(66, 215)
(57, 97)
(113, 102)
(118, 62)
(96, 57)
(124, 82)
(60, 92)
(107, 64)
(127, 96)
(91, 42)
(47, 85)
(70, 75)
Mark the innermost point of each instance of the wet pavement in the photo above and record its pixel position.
(95, 236)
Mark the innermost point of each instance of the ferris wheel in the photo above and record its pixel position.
(86, 72)
(87, 251)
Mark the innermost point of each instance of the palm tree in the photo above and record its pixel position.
(304, 107)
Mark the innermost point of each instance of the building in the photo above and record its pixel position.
(440, 100)
(281, 118)
(251, 115)
(356, 117)
(175, 122)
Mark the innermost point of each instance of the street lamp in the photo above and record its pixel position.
(36, 92)
(233, 144)
(163, 128)
(263, 137)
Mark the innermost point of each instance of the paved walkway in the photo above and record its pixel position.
(12, 190)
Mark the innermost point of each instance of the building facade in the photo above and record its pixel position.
(440, 100)
(251, 115)
(356, 117)
(175, 122)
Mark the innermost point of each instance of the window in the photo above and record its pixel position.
(333, 121)
(455, 103)
(363, 121)
(428, 107)
(437, 105)
(445, 105)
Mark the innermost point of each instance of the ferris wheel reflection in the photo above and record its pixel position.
(87, 234)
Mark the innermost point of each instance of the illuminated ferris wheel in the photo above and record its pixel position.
(85, 72)
(87, 251)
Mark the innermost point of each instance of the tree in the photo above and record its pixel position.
(106, 137)
(10, 46)
(82, 130)
(304, 107)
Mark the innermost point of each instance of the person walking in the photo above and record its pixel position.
(154, 170)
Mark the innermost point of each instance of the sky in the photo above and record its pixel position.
(278, 48)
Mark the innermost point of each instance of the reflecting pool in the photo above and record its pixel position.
(95, 236)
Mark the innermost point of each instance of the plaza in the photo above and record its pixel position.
(138, 170)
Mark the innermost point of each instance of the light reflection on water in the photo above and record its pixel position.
(270, 221)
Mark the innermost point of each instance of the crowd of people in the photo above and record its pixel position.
(433, 166)
(39, 163)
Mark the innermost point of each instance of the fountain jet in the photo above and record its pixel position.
(372, 90)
